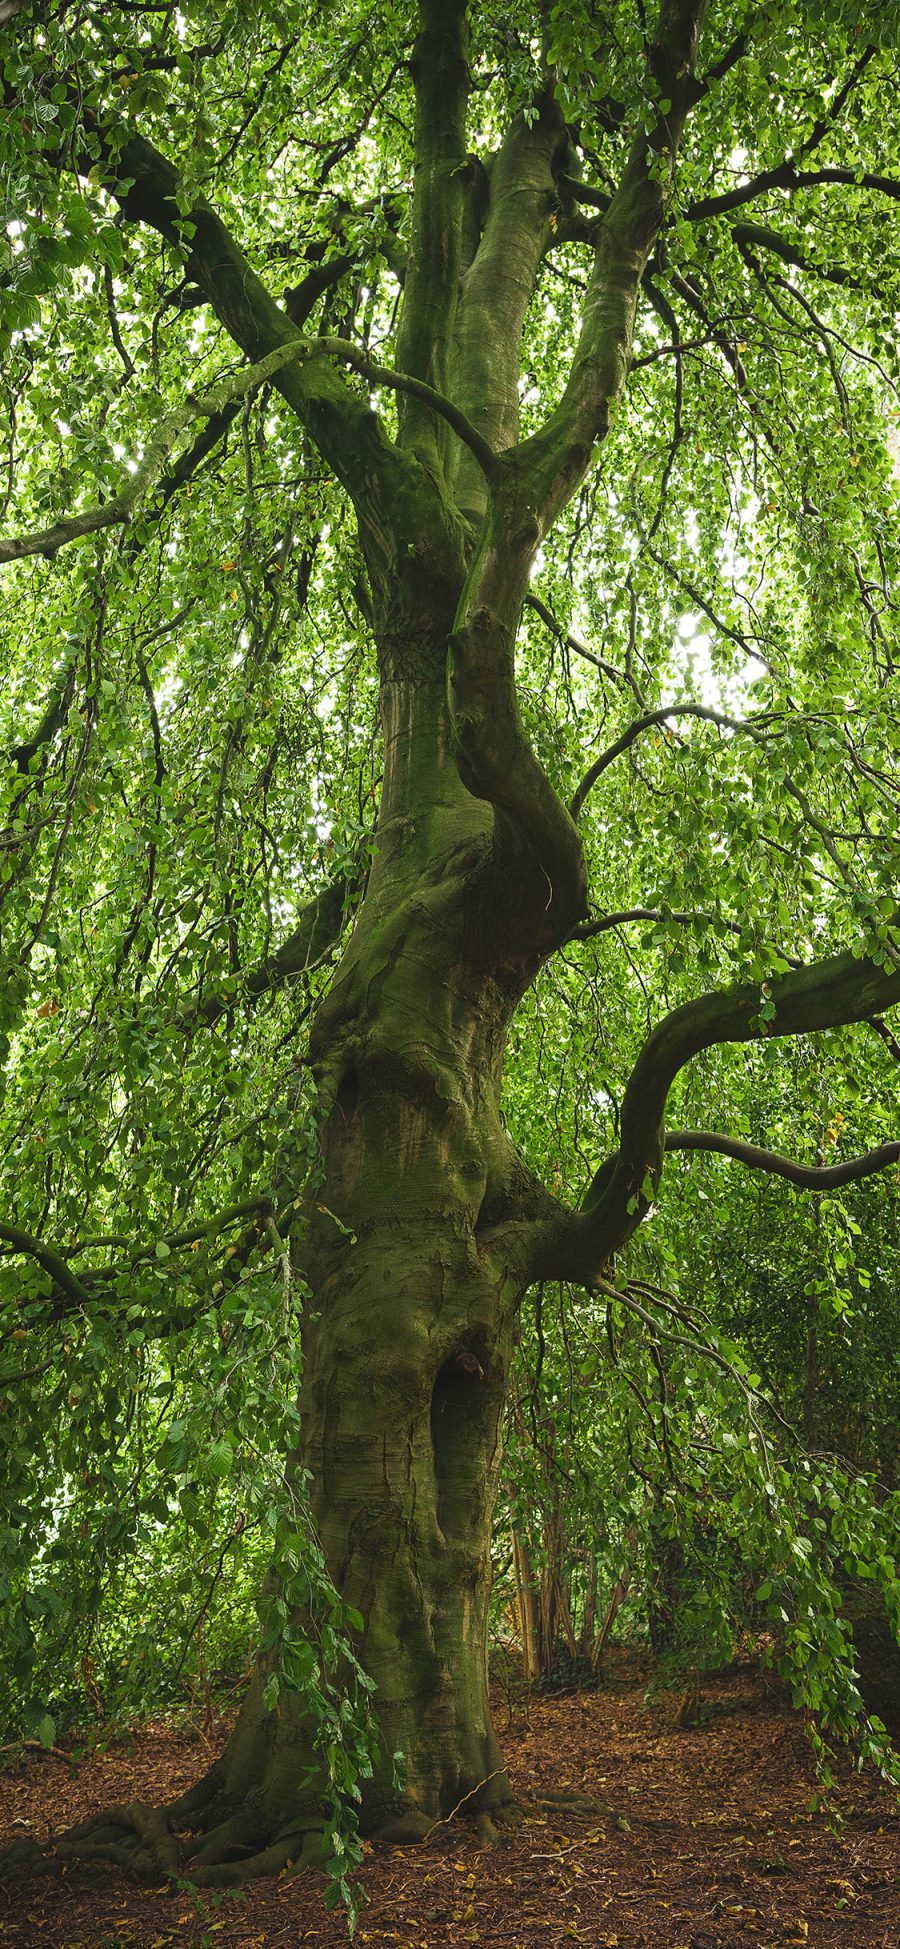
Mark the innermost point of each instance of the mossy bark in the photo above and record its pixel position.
(410, 1255)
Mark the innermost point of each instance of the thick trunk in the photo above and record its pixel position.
(410, 1325)
(402, 1400)
(405, 1371)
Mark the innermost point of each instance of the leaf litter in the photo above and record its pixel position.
(636, 1835)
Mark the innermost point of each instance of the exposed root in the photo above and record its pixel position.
(24, 1860)
(496, 1826)
(135, 1838)
(37, 1747)
(204, 1838)
(405, 1830)
(146, 1845)
(218, 1843)
(582, 1803)
(295, 1852)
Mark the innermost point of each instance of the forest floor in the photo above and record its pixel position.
(696, 1839)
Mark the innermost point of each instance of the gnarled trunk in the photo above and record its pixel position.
(409, 1256)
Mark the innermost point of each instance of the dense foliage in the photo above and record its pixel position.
(192, 754)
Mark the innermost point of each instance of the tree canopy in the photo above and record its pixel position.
(602, 310)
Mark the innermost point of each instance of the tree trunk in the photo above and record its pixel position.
(415, 1286)
(620, 1591)
(529, 1614)
(665, 1570)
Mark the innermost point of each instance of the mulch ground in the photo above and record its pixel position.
(698, 1839)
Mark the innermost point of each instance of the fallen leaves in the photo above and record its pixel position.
(705, 1866)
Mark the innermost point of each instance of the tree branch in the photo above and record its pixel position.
(589, 929)
(828, 994)
(809, 1177)
(377, 477)
(34, 1248)
(732, 55)
(885, 1035)
(320, 926)
(574, 643)
(431, 286)
(93, 1289)
(406, 383)
(118, 511)
(712, 206)
(786, 176)
(646, 723)
(547, 468)
(700, 602)
(52, 718)
(498, 285)
(535, 479)
(758, 236)
(214, 405)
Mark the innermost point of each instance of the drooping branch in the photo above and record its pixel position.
(758, 730)
(828, 994)
(320, 926)
(755, 236)
(687, 288)
(220, 1221)
(204, 443)
(25, 1243)
(214, 405)
(603, 924)
(378, 478)
(97, 1287)
(52, 718)
(696, 596)
(886, 1036)
(786, 173)
(786, 176)
(410, 387)
(646, 723)
(118, 511)
(808, 1177)
(688, 917)
(574, 643)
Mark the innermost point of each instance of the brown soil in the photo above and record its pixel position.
(696, 1839)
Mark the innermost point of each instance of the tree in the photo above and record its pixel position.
(549, 294)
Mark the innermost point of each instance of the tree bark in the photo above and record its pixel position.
(529, 1619)
(411, 1255)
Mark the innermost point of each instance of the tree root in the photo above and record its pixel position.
(202, 1838)
(582, 1803)
(499, 1825)
(135, 1838)
(146, 1845)
(295, 1851)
